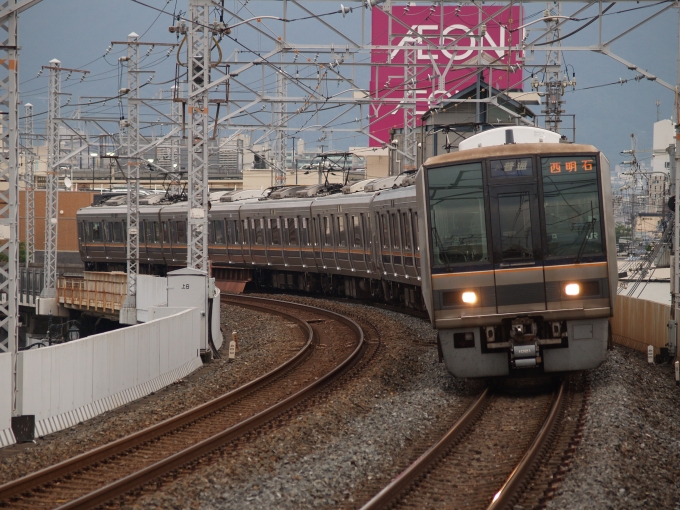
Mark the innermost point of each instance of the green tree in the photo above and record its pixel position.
(622, 231)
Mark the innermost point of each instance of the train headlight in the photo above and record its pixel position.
(469, 297)
(572, 289)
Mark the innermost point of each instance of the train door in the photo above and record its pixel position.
(517, 250)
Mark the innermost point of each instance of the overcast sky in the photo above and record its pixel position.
(78, 32)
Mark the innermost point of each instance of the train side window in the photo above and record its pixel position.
(245, 232)
(342, 234)
(87, 227)
(416, 243)
(366, 227)
(181, 232)
(157, 232)
(233, 227)
(304, 236)
(96, 232)
(395, 230)
(293, 231)
(141, 229)
(384, 232)
(356, 231)
(211, 232)
(406, 226)
(149, 231)
(258, 226)
(166, 232)
(117, 232)
(106, 226)
(237, 232)
(219, 232)
(275, 227)
(327, 231)
(316, 237)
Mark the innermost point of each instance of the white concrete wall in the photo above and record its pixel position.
(151, 291)
(6, 435)
(65, 384)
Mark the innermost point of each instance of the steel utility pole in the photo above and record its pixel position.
(675, 155)
(410, 120)
(128, 312)
(52, 179)
(49, 293)
(199, 39)
(278, 120)
(29, 179)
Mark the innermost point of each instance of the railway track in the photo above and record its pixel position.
(486, 459)
(334, 344)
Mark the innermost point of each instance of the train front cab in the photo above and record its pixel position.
(516, 273)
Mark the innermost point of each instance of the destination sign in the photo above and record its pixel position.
(569, 165)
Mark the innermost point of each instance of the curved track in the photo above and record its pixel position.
(334, 344)
(484, 460)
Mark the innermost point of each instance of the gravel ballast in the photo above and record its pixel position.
(263, 345)
(629, 456)
(325, 454)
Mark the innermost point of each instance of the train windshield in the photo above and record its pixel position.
(457, 214)
(572, 206)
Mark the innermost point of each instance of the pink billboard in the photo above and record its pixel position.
(439, 74)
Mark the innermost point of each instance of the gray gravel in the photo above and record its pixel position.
(350, 438)
(630, 453)
(264, 344)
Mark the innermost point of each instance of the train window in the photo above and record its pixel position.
(181, 232)
(245, 232)
(292, 231)
(342, 234)
(328, 240)
(117, 229)
(395, 230)
(516, 235)
(572, 206)
(313, 235)
(96, 232)
(356, 231)
(406, 230)
(157, 232)
(258, 226)
(457, 214)
(211, 232)
(274, 226)
(141, 230)
(219, 231)
(366, 224)
(304, 235)
(148, 231)
(384, 232)
(106, 225)
(514, 167)
(87, 231)
(416, 230)
(166, 232)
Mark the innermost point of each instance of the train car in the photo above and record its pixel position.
(508, 244)
(519, 256)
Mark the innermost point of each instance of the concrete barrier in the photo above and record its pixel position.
(151, 291)
(638, 323)
(69, 383)
(6, 435)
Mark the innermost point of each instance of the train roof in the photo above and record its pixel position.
(498, 151)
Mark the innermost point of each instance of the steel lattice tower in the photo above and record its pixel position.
(410, 120)
(278, 120)
(198, 74)
(128, 312)
(29, 179)
(52, 180)
(553, 84)
(9, 217)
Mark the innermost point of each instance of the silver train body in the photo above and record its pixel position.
(510, 249)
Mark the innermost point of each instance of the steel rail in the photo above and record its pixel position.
(185, 456)
(402, 482)
(525, 468)
(70, 466)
